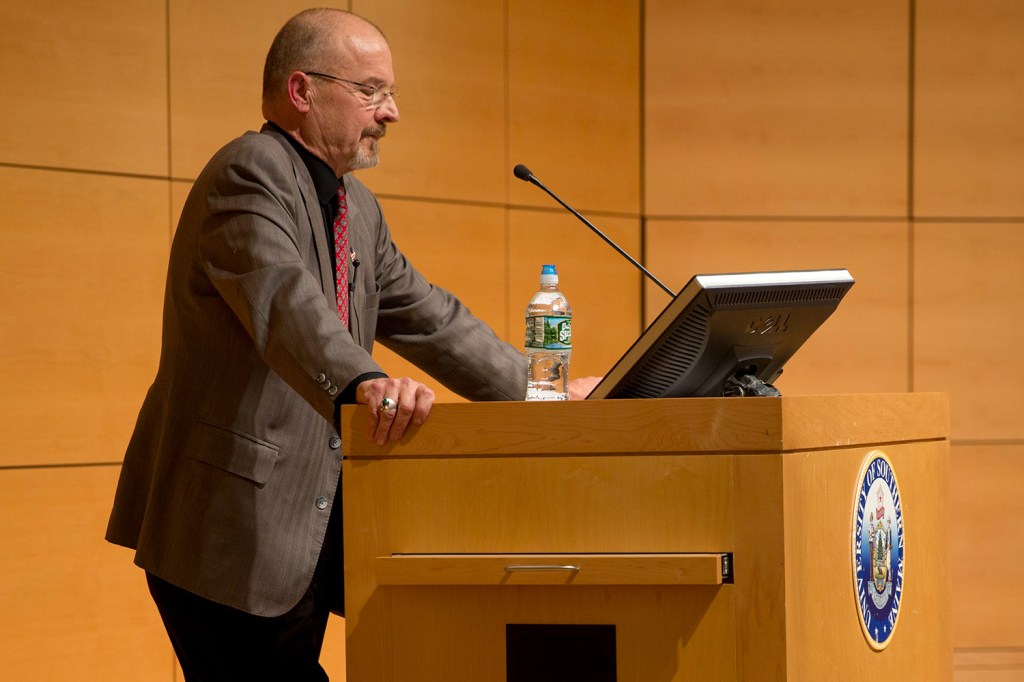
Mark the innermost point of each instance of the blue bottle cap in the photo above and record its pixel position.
(548, 274)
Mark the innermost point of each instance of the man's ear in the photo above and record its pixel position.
(300, 94)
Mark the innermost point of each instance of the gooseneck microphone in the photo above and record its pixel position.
(524, 174)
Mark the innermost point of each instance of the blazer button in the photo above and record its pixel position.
(334, 442)
(332, 391)
(320, 378)
(321, 502)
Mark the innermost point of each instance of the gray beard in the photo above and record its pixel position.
(365, 160)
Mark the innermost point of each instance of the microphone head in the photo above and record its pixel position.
(522, 172)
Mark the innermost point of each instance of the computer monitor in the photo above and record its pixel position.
(724, 332)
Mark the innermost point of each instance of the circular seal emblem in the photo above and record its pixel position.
(878, 549)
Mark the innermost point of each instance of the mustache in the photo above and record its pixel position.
(375, 131)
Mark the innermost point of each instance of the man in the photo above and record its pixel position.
(281, 274)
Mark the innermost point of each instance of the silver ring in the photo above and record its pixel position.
(387, 404)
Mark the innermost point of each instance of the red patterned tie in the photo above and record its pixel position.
(341, 256)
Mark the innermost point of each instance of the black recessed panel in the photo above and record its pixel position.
(560, 653)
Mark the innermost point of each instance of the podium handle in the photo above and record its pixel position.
(540, 567)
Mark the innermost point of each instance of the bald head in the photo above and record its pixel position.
(311, 40)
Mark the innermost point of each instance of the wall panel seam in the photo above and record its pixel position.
(911, 85)
(986, 442)
(66, 465)
(776, 218)
(642, 150)
(83, 171)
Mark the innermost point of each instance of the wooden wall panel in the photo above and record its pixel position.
(986, 542)
(82, 265)
(968, 333)
(969, 109)
(862, 348)
(603, 289)
(332, 656)
(997, 664)
(75, 608)
(85, 85)
(449, 63)
(460, 248)
(574, 102)
(788, 108)
(216, 56)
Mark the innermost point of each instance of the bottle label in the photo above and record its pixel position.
(549, 332)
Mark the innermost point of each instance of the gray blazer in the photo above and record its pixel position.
(229, 478)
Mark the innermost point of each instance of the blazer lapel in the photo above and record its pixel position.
(314, 221)
(313, 217)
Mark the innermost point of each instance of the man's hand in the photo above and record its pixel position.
(581, 388)
(407, 401)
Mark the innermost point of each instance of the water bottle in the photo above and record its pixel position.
(548, 340)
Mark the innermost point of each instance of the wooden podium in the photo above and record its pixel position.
(499, 519)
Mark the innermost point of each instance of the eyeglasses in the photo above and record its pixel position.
(375, 95)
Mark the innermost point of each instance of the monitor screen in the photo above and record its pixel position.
(721, 328)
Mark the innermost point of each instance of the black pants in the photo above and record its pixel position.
(217, 643)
